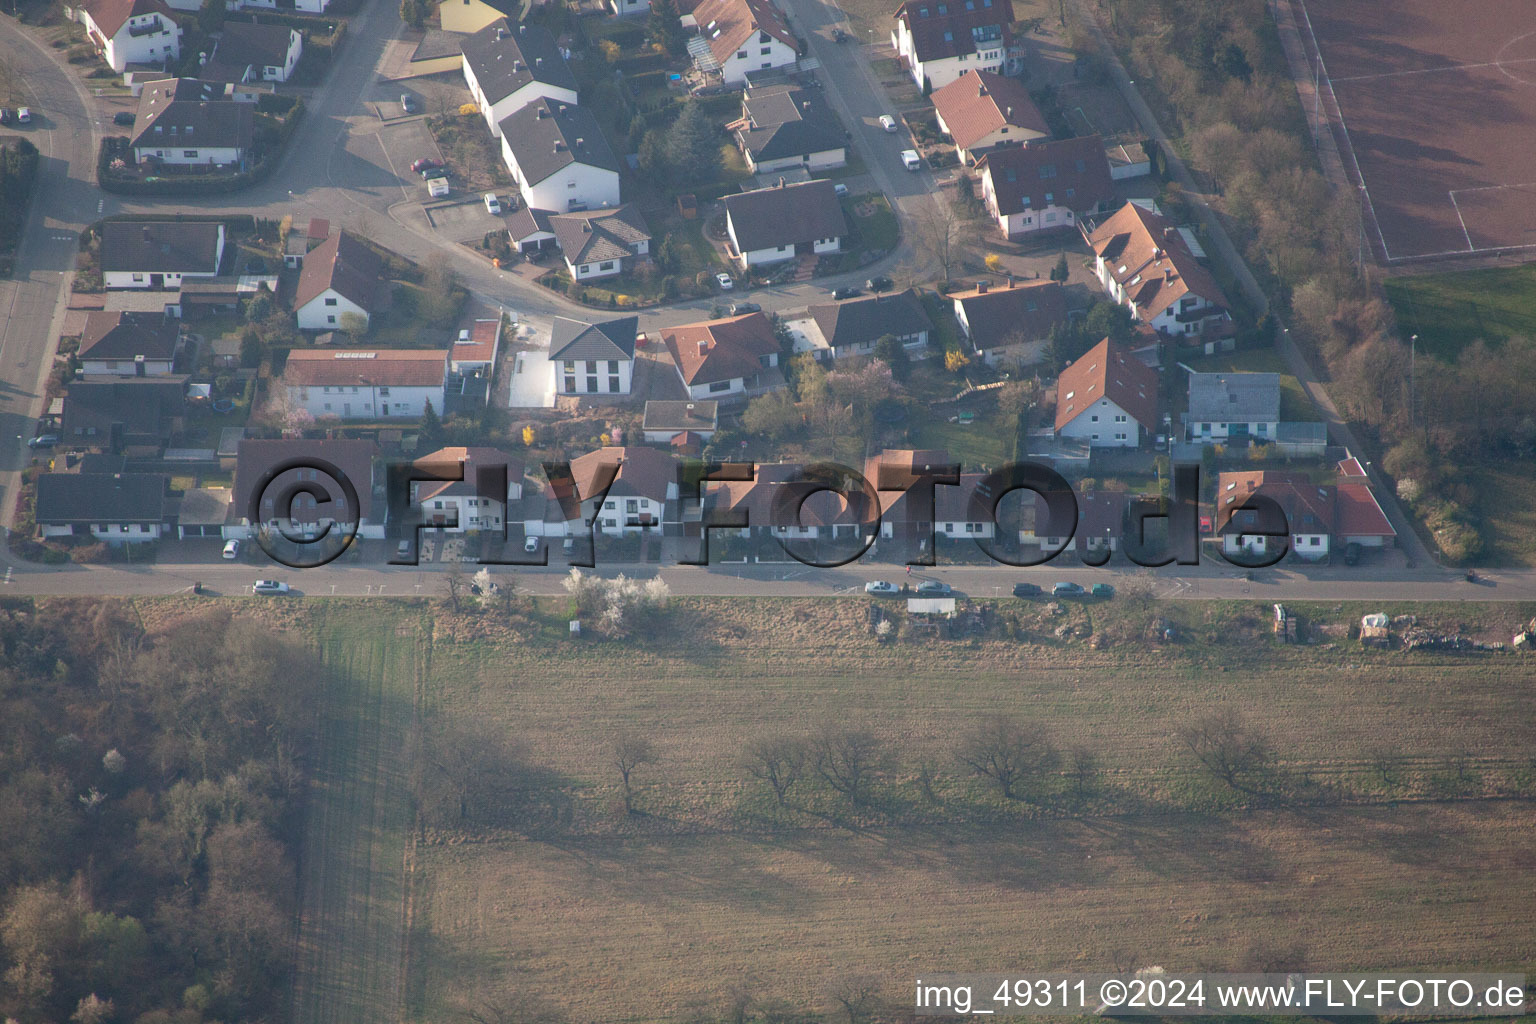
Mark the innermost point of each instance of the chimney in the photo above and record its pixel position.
(543, 113)
(522, 30)
(501, 33)
(982, 286)
(146, 232)
(1167, 233)
(559, 146)
(1167, 275)
(1010, 282)
(703, 347)
(1009, 112)
(781, 181)
(586, 226)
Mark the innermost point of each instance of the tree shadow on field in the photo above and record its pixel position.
(1418, 835)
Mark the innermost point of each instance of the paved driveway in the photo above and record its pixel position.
(465, 220)
(530, 373)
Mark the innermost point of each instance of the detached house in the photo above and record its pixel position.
(131, 31)
(593, 359)
(1143, 262)
(255, 53)
(940, 40)
(786, 126)
(188, 122)
(125, 415)
(1106, 398)
(1309, 511)
(982, 111)
(458, 506)
(1045, 186)
(836, 330)
(738, 36)
(352, 384)
(128, 344)
(1010, 323)
(784, 222)
(118, 508)
(340, 275)
(738, 355)
(643, 491)
(507, 68)
(159, 254)
(1233, 408)
(694, 422)
(601, 243)
(556, 153)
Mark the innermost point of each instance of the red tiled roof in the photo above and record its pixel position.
(109, 15)
(717, 350)
(978, 103)
(942, 28)
(734, 22)
(1107, 371)
(1074, 173)
(1146, 254)
(1357, 513)
(359, 368)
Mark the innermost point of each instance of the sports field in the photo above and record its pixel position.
(1434, 108)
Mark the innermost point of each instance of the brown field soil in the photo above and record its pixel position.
(655, 916)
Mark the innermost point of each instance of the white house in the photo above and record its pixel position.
(341, 275)
(783, 222)
(374, 384)
(458, 506)
(508, 68)
(476, 347)
(601, 243)
(940, 40)
(131, 31)
(1233, 408)
(1106, 398)
(118, 508)
(738, 36)
(717, 359)
(1143, 262)
(836, 330)
(1046, 186)
(160, 253)
(644, 490)
(188, 122)
(593, 359)
(982, 111)
(559, 158)
(123, 344)
(784, 126)
(260, 478)
(1308, 508)
(255, 53)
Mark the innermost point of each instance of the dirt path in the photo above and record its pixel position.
(351, 930)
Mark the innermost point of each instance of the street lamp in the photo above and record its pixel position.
(1413, 377)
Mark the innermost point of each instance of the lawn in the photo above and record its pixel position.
(656, 916)
(1449, 311)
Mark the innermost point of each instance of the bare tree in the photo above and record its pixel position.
(778, 761)
(1385, 760)
(848, 759)
(1227, 747)
(941, 233)
(1083, 769)
(1009, 752)
(856, 995)
(453, 585)
(629, 751)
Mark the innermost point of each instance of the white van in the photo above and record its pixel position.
(910, 160)
(437, 187)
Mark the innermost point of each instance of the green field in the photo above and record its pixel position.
(1450, 311)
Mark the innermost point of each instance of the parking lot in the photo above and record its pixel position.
(464, 219)
(405, 141)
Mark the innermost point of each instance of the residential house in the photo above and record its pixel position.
(458, 506)
(469, 16)
(1101, 522)
(1106, 398)
(187, 122)
(559, 158)
(530, 230)
(981, 111)
(1309, 511)
(784, 222)
(507, 68)
(128, 344)
(734, 357)
(254, 53)
(118, 508)
(836, 330)
(353, 384)
(1358, 516)
(593, 359)
(664, 422)
(737, 36)
(601, 243)
(125, 415)
(476, 347)
(640, 500)
(160, 253)
(341, 275)
(259, 476)
(940, 40)
(784, 126)
(128, 32)
(1045, 186)
(1233, 408)
(1142, 261)
(1010, 324)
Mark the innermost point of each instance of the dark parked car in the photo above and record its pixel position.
(738, 308)
(5, 115)
(1103, 590)
(1352, 552)
(879, 284)
(436, 171)
(43, 441)
(934, 588)
(122, 117)
(1066, 590)
(1025, 590)
(422, 164)
(847, 292)
(407, 103)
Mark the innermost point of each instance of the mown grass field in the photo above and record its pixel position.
(657, 916)
(1450, 311)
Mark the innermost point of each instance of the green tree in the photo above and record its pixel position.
(211, 17)
(890, 350)
(252, 350)
(1061, 271)
(655, 156)
(664, 27)
(431, 427)
(695, 145)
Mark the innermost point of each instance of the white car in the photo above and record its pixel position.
(492, 204)
(888, 123)
(840, 190)
(273, 587)
(881, 587)
(910, 160)
(232, 549)
(531, 545)
(725, 282)
(24, 115)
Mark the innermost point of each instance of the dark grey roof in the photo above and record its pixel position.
(186, 112)
(611, 339)
(68, 498)
(503, 59)
(681, 416)
(785, 121)
(437, 43)
(526, 222)
(593, 235)
(126, 336)
(767, 218)
(1235, 397)
(160, 245)
(857, 321)
(244, 45)
(546, 136)
(130, 410)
